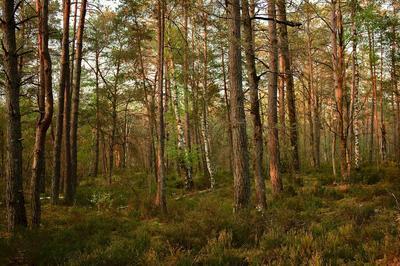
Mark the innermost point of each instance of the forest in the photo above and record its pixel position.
(200, 132)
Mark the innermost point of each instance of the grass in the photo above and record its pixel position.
(316, 221)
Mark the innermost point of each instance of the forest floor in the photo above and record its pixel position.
(316, 221)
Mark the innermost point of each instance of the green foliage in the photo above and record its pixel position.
(318, 224)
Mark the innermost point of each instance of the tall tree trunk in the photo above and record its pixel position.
(394, 85)
(73, 41)
(75, 95)
(339, 73)
(15, 202)
(114, 117)
(255, 106)
(273, 140)
(288, 77)
(354, 108)
(381, 116)
(238, 119)
(228, 109)
(45, 103)
(160, 201)
(95, 169)
(204, 117)
(187, 135)
(183, 163)
(314, 101)
(371, 45)
(64, 75)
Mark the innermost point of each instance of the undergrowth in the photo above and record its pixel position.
(316, 221)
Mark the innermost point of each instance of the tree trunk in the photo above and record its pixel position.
(188, 143)
(95, 170)
(314, 101)
(204, 117)
(373, 101)
(396, 98)
(381, 116)
(255, 107)
(273, 140)
(290, 95)
(353, 117)
(228, 110)
(160, 201)
(339, 74)
(15, 202)
(183, 154)
(45, 103)
(75, 96)
(238, 119)
(64, 75)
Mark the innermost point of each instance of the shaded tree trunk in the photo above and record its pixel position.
(187, 135)
(204, 118)
(238, 119)
(45, 103)
(75, 95)
(255, 106)
(354, 108)
(95, 169)
(64, 75)
(15, 202)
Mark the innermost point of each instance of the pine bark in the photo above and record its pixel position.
(273, 140)
(15, 202)
(64, 75)
(45, 104)
(339, 74)
(160, 200)
(238, 119)
(252, 77)
(76, 85)
(290, 95)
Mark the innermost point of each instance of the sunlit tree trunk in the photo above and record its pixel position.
(160, 201)
(273, 140)
(340, 90)
(290, 95)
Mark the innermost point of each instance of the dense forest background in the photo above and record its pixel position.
(199, 132)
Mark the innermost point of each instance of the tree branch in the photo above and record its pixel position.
(288, 23)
